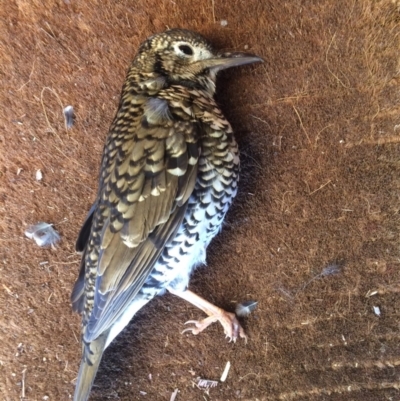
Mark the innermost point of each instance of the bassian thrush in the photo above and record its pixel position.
(168, 176)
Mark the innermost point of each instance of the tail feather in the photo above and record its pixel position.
(91, 358)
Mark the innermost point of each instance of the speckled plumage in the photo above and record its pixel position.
(168, 176)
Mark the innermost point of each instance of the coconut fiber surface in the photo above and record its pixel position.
(313, 235)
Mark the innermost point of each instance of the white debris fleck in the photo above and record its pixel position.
(43, 233)
(370, 293)
(39, 175)
(225, 372)
(204, 383)
(173, 395)
(224, 22)
(19, 170)
(69, 116)
(377, 310)
(143, 392)
(246, 47)
(245, 308)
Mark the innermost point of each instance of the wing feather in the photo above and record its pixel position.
(109, 308)
(148, 174)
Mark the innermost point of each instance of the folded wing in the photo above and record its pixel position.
(148, 173)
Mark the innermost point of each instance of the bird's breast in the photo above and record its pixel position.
(215, 188)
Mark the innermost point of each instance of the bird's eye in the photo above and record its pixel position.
(186, 50)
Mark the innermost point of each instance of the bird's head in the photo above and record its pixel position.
(186, 58)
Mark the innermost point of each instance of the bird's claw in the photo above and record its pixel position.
(231, 325)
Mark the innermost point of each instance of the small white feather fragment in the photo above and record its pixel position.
(173, 395)
(43, 233)
(225, 372)
(224, 22)
(370, 293)
(39, 175)
(245, 308)
(69, 116)
(157, 110)
(204, 383)
(377, 310)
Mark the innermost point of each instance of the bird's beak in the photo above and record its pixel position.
(228, 60)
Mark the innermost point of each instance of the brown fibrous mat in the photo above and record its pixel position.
(313, 235)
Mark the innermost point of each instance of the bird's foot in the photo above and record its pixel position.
(231, 325)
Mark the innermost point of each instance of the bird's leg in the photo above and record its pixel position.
(229, 322)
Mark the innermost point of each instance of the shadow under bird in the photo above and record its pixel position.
(168, 175)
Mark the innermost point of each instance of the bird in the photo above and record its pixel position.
(168, 175)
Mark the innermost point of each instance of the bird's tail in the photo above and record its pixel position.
(92, 353)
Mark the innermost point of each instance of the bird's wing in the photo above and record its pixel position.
(149, 170)
(84, 233)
